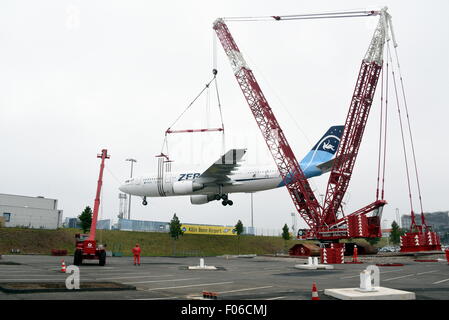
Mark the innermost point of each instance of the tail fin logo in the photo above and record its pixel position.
(330, 141)
(328, 146)
(325, 148)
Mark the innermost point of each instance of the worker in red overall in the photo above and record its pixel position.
(136, 253)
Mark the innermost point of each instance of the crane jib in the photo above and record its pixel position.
(321, 220)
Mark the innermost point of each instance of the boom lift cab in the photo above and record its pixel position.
(86, 245)
(88, 249)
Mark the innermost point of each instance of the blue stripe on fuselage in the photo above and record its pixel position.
(309, 170)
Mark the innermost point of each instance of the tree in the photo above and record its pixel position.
(372, 241)
(285, 236)
(86, 219)
(175, 231)
(396, 233)
(445, 238)
(238, 229)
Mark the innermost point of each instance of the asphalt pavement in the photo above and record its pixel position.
(239, 278)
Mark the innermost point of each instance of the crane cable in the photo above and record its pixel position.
(325, 15)
(221, 117)
(196, 98)
(112, 175)
(214, 67)
(385, 134)
(411, 138)
(380, 131)
(402, 134)
(165, 142)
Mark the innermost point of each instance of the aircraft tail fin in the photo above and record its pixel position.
(323, 151)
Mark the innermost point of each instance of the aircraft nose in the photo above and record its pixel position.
(124, 188)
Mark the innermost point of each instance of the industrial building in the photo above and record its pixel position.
(141, 225)
(161, 226)
(30, 212)
(438, 220)
(71, 223)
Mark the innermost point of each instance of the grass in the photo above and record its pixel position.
(38, 241)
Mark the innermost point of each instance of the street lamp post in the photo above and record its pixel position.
(398, 218)
(293, 223)
(252, 214)
(129, 202)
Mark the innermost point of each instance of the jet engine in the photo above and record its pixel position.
(185, 187)
(201, 199)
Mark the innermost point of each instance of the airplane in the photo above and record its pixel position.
(226, 175)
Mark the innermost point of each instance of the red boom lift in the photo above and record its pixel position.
(86, 245)
(324, 221)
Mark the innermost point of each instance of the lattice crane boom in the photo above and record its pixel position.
(297, 185)
(356, 119)
(323, 222)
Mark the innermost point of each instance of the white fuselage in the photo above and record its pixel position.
(244, 180)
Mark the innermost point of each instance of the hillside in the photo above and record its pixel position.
(38, 241)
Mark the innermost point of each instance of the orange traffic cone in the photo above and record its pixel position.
(63, 266)
(315, 292)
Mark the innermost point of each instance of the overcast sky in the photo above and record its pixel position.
(78, 76)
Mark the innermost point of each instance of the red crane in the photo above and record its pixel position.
(86, 245)
(323, 221)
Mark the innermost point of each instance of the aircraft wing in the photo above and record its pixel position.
(220, 170)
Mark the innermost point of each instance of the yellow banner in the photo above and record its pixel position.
(203, 229)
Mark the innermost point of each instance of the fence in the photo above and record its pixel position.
(159, 226)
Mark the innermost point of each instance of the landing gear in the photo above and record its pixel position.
(224, 197)
(144, 202)
(226, 201)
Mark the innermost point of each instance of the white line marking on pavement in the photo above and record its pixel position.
(408, 275)
(114, 278)
(441, 281)
(192, 285)
(18, 271)
(275, 298)
(168, 298)
(261, 271)
(350, 277)
(426, 272)
(382, 272)
(246, 289)
(95, 274)
(27, 280)
(22, 271)
(35, 275)
(161, 280)
(85, 268)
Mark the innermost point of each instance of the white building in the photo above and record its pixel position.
(31, 212)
